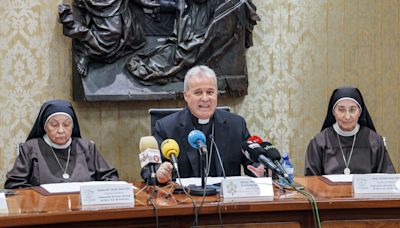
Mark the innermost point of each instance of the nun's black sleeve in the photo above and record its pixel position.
(100, 169)
(19, 175)
(383, 163)
(313, 161)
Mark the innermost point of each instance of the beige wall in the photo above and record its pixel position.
(302, 51)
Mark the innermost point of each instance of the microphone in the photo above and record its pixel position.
(197, 140)
(149, 155)
(275, 156)
(149, 152)
(272, 152)
(256, 153)
(255, 139)
(170, 150)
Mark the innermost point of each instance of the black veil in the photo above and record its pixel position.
(352, 92)
(48, 108)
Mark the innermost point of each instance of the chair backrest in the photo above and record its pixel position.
(159, 113)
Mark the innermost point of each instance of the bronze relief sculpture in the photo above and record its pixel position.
(141, 49)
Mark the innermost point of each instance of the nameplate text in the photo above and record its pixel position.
(100, 194)
(247, 189)
(376, 184)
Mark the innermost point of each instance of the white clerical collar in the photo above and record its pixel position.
(203, 121)
(345, 133)
(54, 145)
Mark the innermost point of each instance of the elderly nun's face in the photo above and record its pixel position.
(59, 128)
(347, 113)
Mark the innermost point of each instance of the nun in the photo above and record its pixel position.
(348, 142)
(54, 152)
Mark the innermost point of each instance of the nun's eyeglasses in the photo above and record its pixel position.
(62, 124)
(343, 110)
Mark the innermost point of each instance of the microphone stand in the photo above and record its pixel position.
(203, 190)
(153, 177)
(174, 175)
(218, 155)
(152, 182)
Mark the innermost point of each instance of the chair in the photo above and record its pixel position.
(158, 113)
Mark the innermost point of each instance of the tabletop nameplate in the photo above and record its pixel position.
(121, 193)
(247, 189)
(376, 184)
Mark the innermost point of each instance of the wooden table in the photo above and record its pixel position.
(337, 208)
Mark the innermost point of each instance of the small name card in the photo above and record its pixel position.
(99, 194)
(3, 203)
(376, 184)
(246, 189)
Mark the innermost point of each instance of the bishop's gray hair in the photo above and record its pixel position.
(199, 71)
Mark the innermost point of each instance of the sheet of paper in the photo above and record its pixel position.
(197, 181)
(3, 203)
(339, 178)
(73, 186)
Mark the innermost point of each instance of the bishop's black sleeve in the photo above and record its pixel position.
(245, 162)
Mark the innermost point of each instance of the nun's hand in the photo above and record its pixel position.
(164, 172)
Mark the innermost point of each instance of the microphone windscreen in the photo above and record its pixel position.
(272, 152)
(149, 156)
(255, 139)
(252, 150)
(169, 147)
(147, 142)
(196, 136)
